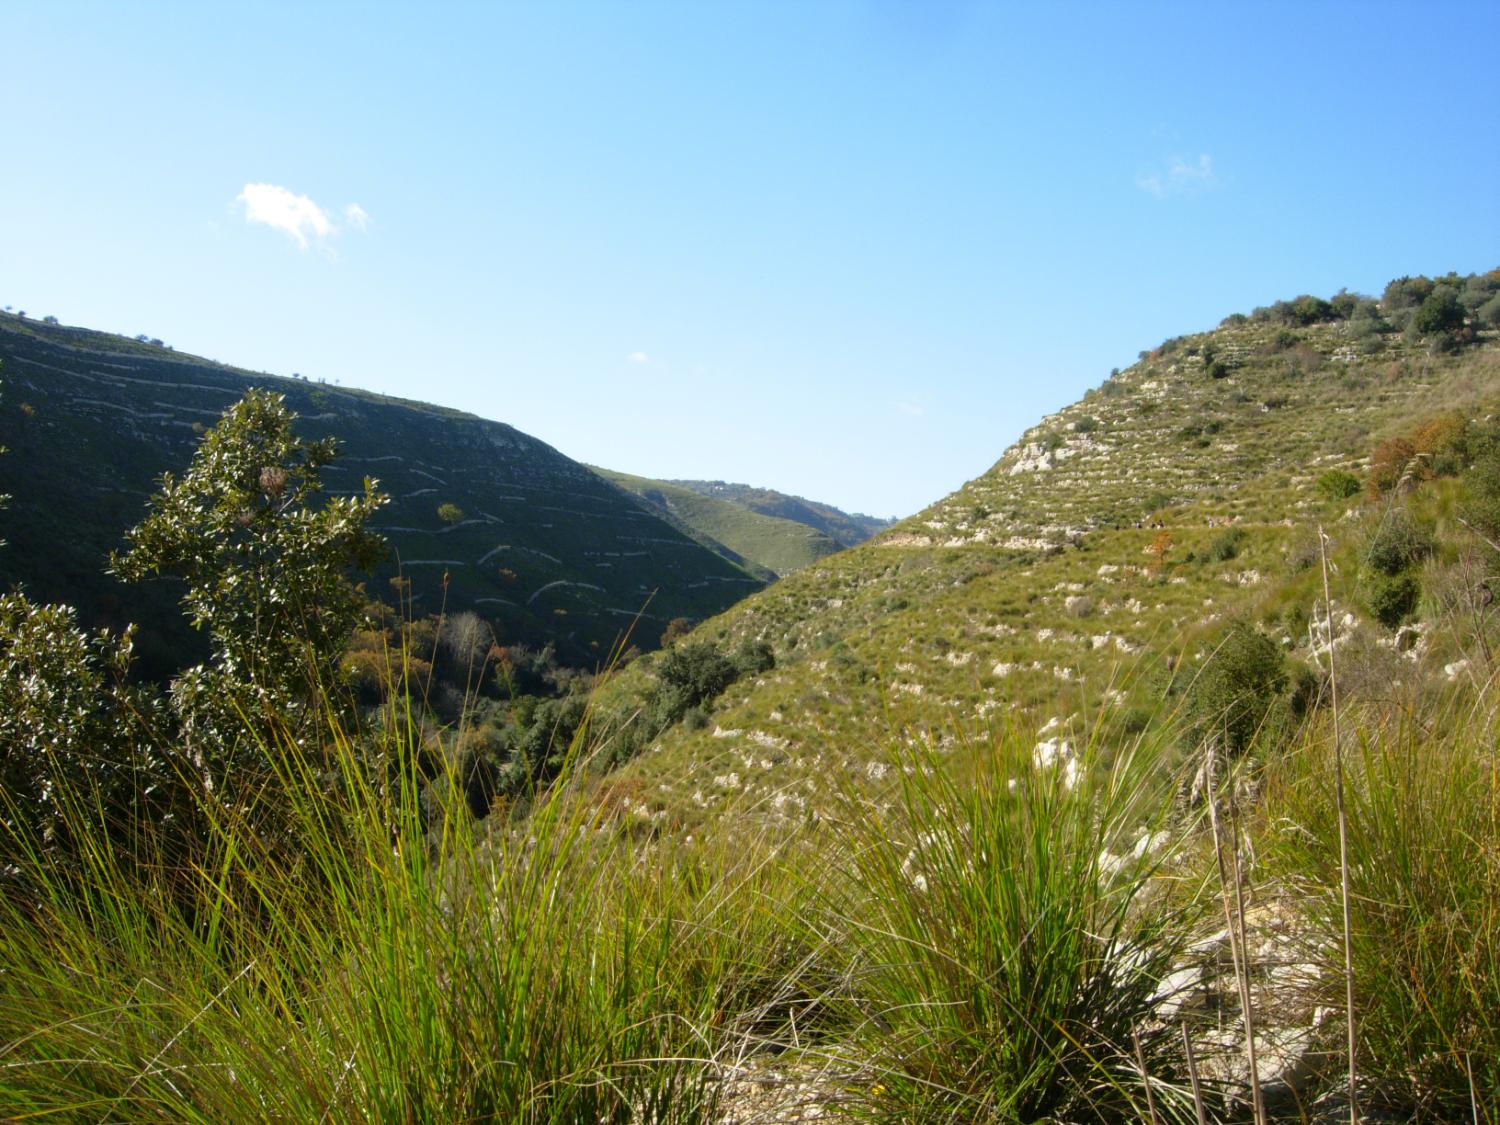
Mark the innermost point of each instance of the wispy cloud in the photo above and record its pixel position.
(295, 215)
(638, 357)
(1179, 177)
(911, 410)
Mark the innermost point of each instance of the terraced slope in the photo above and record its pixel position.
(540, 545)
(842, 527)
(775, 545)
(1057, 590)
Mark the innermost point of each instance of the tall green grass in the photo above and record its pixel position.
(980, 940)
(1423, 794)
(541, 971)
(1006, 941)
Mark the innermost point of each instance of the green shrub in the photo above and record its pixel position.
(1392, 598)
(1439, 312)
(1395, 543)
(71, 730)
(1424, 893)
(1240, 678)
(1488, 313)
(1337, 484)
(1226, 545)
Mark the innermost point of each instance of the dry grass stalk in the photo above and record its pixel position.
(1234, 919)
(1338, 782)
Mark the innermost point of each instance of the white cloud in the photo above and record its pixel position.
(1180, 177)
(295, 215)
(911, 410)
(638, 357)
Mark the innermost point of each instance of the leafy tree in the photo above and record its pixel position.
(450, 513)
(1439, 312)
(266, 574)
(1406, 293)
(1489, 313)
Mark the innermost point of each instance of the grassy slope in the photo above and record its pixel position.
(1030, 595)
(546, 549)
(777, 545)
(848, 530)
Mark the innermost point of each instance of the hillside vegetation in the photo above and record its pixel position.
(775, 545)
(1098, 562)
(842, 527)
(481, 516)
(1152, 776)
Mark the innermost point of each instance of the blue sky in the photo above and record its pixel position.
(847, 250)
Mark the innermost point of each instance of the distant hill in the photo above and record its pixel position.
(544, 548)
(845, 529)
(773, 545)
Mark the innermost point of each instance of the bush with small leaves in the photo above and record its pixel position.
(1488, 314)
(1388, 465)
(1396, 543)
(1336, 484)
(265, 570)
(74, 734)
(1227, 545)
(1229, 697)
(1392, 599)
(1439, 312)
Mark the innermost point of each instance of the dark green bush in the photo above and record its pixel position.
(1336, 484)
(1344, 303)
(691, 676)
(1396, 543)
(753, 658)
(1229, 697)
(1439, 312)
(1406, 293)
(1392, 598)
(1227, 545)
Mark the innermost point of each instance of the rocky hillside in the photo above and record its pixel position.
(1076, 585)
(770, 544)
(481, 516)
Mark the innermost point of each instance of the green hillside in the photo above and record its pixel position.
(1080, 580)
(777, 545)
(844, 528)
(527, 538)
(1047, 805)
